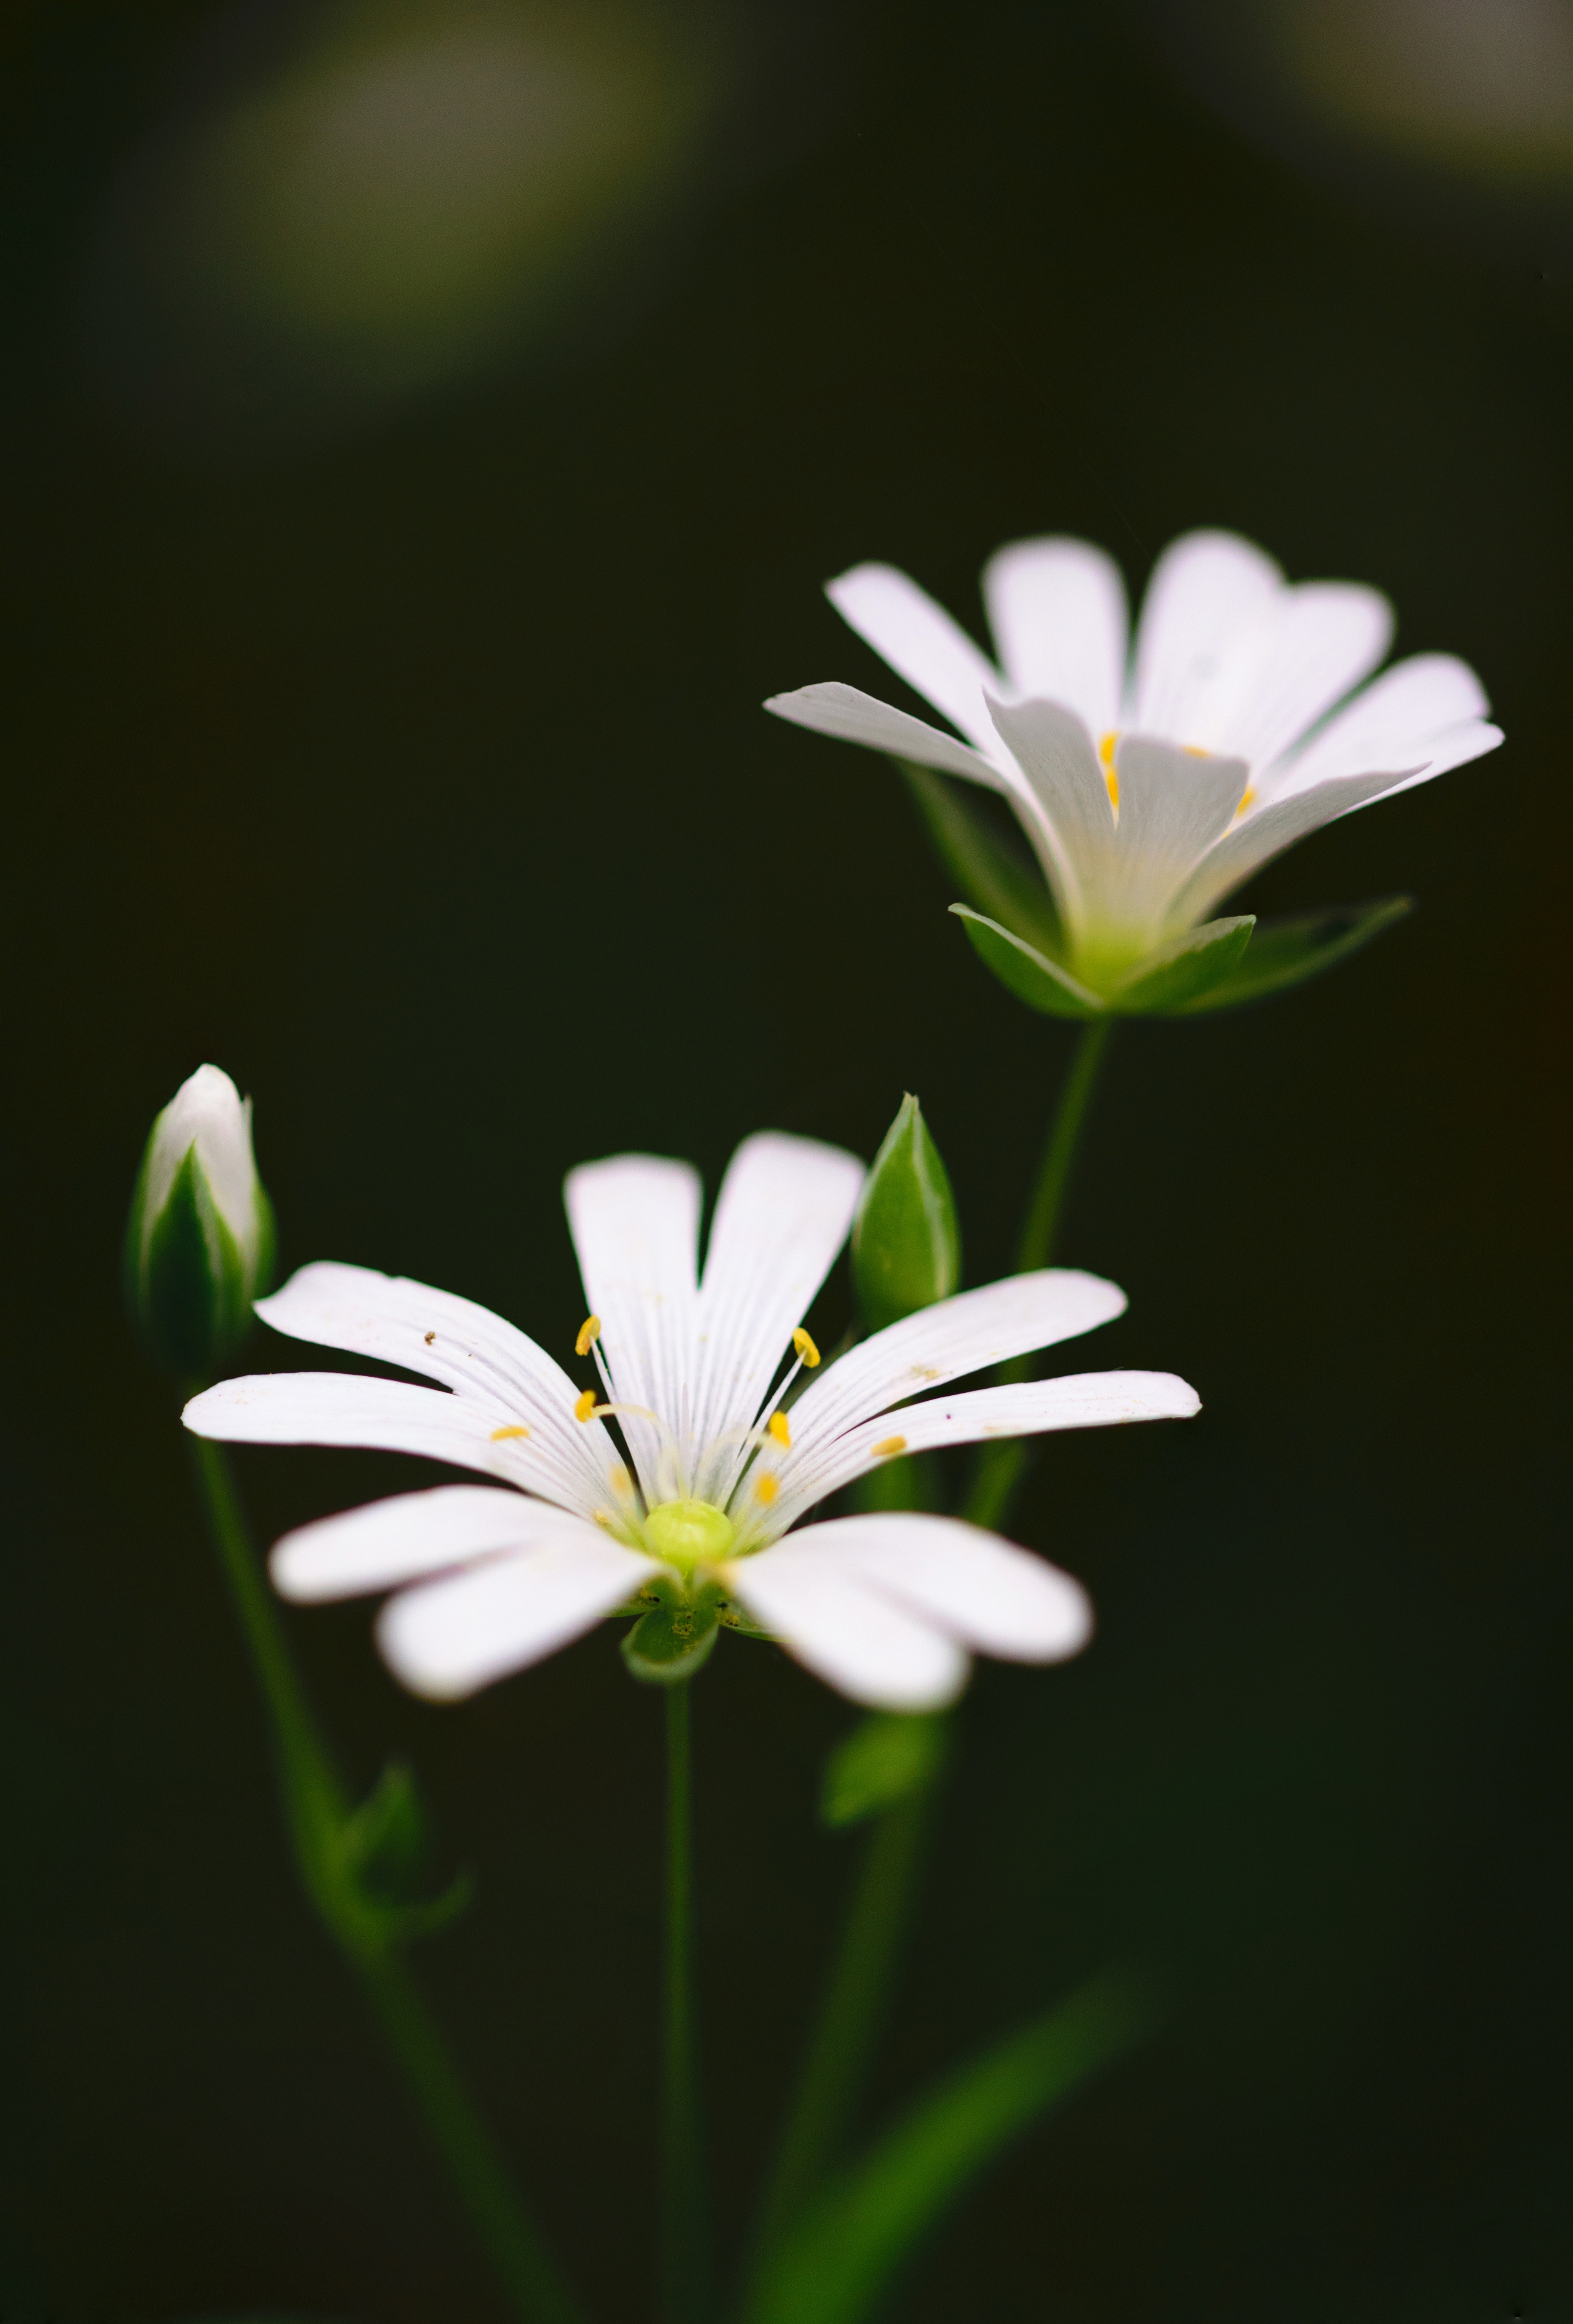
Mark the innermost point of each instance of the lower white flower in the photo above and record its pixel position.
(1151, 785)
(713, 1473)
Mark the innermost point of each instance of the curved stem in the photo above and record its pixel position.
(851, 2019)
(317, 1803)
(684, 2271)
(1003, 1466)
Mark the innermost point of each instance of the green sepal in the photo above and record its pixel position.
(906, 1245)
(675, 1639)
(887, 1758)
(1180, 972)
(1026, 972)
(384, 1846)
(1285, 952)
(186, 1291)
(995, 877)
(834, 2264)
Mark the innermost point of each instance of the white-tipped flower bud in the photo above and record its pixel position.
(199, 1240)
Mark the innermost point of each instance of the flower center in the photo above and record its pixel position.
(686, 1534)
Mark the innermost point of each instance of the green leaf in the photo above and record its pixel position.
(838, 2263)
(1024, 971)
(886, 1758)
(1177, 973)
(1285, 952)
(997, 878)
(673, 1641)
(906, 1246)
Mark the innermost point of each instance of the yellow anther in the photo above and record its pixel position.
(777, 1426)
(622, 1482)
(1112, 783)
(1248, 798)
(590, 1333)
(584, 1406)
(602, 1517)
(805, 1347)
(518, 1430)
(888, 1446)
(1195, 751)
(1106, 749)
(766, 1490)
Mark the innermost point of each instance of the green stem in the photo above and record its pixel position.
(685, 2273)
(1003, 1465)
(317, 1803)
(852, 2017)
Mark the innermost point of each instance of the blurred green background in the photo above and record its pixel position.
(426, 429)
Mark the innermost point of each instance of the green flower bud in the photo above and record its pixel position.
(906, 1246)
(199, 1240)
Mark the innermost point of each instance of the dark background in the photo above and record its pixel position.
(399, 751)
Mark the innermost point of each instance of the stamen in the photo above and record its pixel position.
(889, 1446)
(1195, 751)
(498, 1434)
(1248, 798)
(778, 1429)
(584, 1406)
(766, 1490)
(1105, 751)
(590, 1333)
(805, 1347)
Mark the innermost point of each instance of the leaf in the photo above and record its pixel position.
(997, 878)
(836, 2263)
(1285, 952)
(1022, 970)
(1179, 972)
(886, 1758)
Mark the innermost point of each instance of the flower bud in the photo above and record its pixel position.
(906, 1246)
(199, 1240)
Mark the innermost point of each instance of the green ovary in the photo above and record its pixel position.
(686, 1534)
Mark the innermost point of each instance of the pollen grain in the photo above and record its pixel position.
(518, 1429)
(889, 1446)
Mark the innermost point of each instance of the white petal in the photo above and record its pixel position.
(919, 639)
(986, 1593)
(852, 716)
(635, 1226)
(383, 1415)
(1173, 806)
(1207, 591)
(1057, 608)
(784, 1210)
(856, 1637)
(1055, 753)
(945, 1342)
(1455, 746)
(1266, 832)
(451, 1339)
(388, 1542)
(1023, 1409)
(1304, 654)
(1391, 723)
(448, 1637)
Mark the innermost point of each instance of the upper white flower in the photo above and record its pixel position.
(1151, 786)
(712, 1474)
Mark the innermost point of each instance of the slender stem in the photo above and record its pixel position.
(685, 2270)
(316, 1802)
(1003, 1465)
(852, 2016)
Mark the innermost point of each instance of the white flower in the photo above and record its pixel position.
(695, 1372)
(1150, 790)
